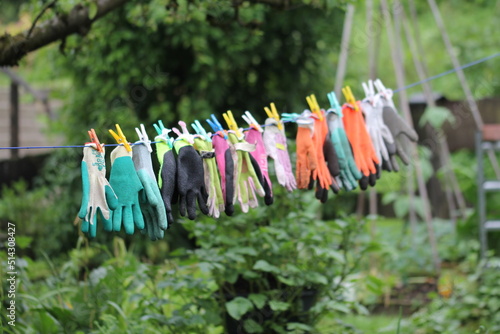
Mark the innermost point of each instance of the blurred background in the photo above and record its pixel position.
(368, 258)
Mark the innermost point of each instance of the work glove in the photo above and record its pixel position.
(399, 130)
(380, 134)
(150, 199)
(215, 200)
(98, 196)
(190, 180)
(276, 148)
(254, 136)
(248, 186)
(226, 158)
(307, 160)
(321, 174)
(127, 185)
(362, 147)
(349, 172)
(167, 178)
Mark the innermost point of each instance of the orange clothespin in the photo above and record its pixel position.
(120, 138)
(350, 97)
(273, 113)
(95, 140)
(231, 123)
(314, 106)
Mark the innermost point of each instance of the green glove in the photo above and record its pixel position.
(150, 199)
(215, 201)
(349, 172)
(98, 197)
(248, 183)
(127, 185)
(167, 175)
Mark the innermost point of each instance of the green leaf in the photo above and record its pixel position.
(436, 116)
(298, 326)
(23, 241)
(317, 278)
(258, 299)
(278, 306)
(238, 307)
(263, 265)
(251, 326)
(93, 9)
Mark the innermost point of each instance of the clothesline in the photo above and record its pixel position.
(479, 61)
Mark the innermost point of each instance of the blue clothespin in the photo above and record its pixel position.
(216, 126)
(163, 134)
(201, 131)
(334, 103)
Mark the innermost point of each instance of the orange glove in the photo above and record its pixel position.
(322, 175)
(364, 154)
(307, 160)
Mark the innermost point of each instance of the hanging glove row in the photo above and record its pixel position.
(336, 149)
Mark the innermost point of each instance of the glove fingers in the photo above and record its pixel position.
(402, 154)
(128, 220)
(268, 198)
(363, 182)
(202, 202)
(137, 216)
(111, 198)
(394, 163)
(117, 219)
(191, 205)
(372, 179)
(229, 199)
(85, 190)
(182, 205)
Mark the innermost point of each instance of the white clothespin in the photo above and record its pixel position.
(248, 117)
(143, 137)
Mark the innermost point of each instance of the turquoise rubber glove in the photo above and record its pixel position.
(151, 202)
(349, 172)
(127, 185)
(98, 196)
(248, 183)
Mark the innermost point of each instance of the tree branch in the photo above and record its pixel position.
(14, 48)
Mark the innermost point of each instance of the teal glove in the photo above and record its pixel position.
(98, 197)
(150, 199)
(349, 172)
(127, 185)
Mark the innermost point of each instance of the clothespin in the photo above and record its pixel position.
(143, 137)
(201, 131)
(350, 97)
(304, 118)
(382, 90)
(120, 138)
(231, 123)
(248, 117)
(273, 113)
(314, 106)
(95, 140)
(334, 103)
(185, 135)
(216, 126)
(163, 133)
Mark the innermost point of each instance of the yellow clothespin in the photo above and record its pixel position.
(314, 106)
(349, 97)
(120, 138)
(273, 113)
(231, 123)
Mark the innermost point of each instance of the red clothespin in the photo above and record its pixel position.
(95, 140)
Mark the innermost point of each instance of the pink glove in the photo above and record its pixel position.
(227, 165)
(254, 136)
(276, 149)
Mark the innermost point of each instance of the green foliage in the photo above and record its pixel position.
(281, 266)
(123, 295)
(474, 304)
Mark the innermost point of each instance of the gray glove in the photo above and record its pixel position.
(400, 130)
(150, 199)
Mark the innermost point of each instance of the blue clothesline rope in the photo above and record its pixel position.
(479, 61)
